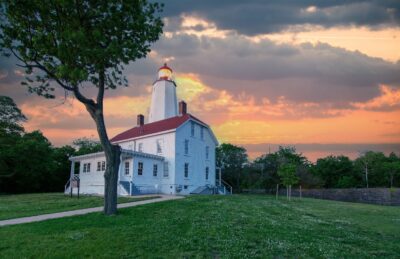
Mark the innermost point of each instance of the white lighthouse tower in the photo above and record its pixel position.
(164, 103)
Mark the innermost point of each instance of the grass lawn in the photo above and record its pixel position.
(215, 226)
(23, 205)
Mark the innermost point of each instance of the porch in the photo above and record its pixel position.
(87, 174)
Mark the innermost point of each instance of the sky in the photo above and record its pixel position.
(323, 76)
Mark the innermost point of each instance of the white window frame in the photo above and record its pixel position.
(166, 169)
(186, 147)
(192, 129)
(98, 166)
(207, 152)
(159, 146)
(207, 172)
(140, 147)
(140, 168)
(103, 165)
(127, 169)
(155, 170)
(186, 170)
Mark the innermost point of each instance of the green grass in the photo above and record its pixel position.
(237, 226)
(23, 205)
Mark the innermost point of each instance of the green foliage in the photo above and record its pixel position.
(11, 117)
(87, 146)
(231, 159)
(73, 42)
(374, 163)
(337, 172)
(287, 173)
(234, 226)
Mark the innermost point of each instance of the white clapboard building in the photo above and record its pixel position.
(174, 153)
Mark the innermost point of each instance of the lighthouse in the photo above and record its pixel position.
(164, 103)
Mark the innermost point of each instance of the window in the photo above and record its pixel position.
(140, 168)
(192, 128)
(155, 170)
(207, 173)
(186, 146)
(159, 146)
(186, 170)
(207, 151)
(86, 168)
(103, 165)
(185, 187)
(126, 168)
(166, 171)
(98, 166)
(202, 133)
(140, 147)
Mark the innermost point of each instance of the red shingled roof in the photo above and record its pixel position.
(154, 127)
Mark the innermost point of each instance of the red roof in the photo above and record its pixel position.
(154, 127)
(165, 67)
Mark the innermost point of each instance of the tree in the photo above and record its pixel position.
(80, 44)
(337, 172)
(232, 159)
(391, 168)
(287, 173)
(87, 146)
(11, 117)
(370, 164)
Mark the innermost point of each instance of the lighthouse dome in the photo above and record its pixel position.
(165, 73)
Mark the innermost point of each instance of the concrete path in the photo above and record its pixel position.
(84, 211)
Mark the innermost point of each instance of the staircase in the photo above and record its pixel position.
(223, 188)
(67, 187)
(203, 190)
(127, 186)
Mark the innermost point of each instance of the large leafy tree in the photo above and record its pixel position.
(77, 44)
(231, 159)
(11, 117)
(86, 146)
(337, 172)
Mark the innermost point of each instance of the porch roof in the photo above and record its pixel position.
(124, 153)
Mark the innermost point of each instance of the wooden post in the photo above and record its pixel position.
(277, 190)
(79, 180)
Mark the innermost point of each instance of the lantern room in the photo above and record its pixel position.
(165, 73)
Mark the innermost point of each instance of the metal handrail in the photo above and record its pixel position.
(67, 185)
(227, 184)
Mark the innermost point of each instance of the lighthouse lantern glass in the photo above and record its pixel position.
(165, 73)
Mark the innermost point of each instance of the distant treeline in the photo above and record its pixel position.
(371, 169)
(28, 161)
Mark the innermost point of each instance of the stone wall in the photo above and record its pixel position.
(382, 196)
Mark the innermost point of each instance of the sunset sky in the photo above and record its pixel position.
(323, 76)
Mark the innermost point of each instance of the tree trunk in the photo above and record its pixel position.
(112, 153)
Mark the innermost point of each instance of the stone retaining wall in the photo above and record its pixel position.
(382, 196)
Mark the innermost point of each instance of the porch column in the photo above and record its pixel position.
(72, 169)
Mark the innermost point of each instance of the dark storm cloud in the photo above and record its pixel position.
(258, 16)
(313, 73)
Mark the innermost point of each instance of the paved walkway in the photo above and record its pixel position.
(84, 211)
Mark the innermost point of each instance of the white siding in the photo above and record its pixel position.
(196, 157)
(149, 144)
